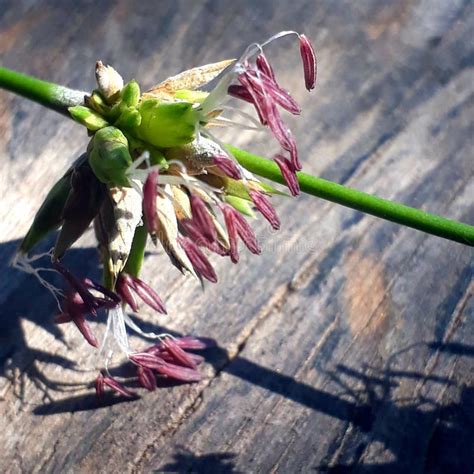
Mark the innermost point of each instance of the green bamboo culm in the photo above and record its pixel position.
(50, 95)
(388, 210)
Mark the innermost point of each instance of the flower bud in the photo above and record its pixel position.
(131, 94)
(263, 204)
(110, 82)
(129, 119)
(167, 124)
(146, 378)
(309, 62)
(117, 386)
(109, 157)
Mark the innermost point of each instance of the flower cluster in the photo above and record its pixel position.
(155, 169)
(168, 358)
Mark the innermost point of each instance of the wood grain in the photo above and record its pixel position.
(348, 345)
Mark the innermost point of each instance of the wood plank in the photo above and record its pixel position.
(348, 344)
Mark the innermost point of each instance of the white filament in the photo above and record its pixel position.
(145, 156)
(225, 122)
(118, 328)
(150, 335)
(244, 115)
(106, 333)
(23, 263)
(279, 35)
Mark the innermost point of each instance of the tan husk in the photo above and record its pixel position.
(115, 226)
(190, 79)
(168, 233)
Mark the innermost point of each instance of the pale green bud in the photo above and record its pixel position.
(131, 94)
(129, 119)
(167, 124)
(109, 156)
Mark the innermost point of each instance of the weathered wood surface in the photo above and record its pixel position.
(348, 345)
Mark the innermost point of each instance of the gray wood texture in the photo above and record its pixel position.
(348, 345)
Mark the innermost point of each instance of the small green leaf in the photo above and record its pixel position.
(237, 188)
(87, 117)
(242, 205)
(271, 190)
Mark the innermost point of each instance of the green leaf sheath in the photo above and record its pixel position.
(81, 207)
(388, 210)
(49, 216)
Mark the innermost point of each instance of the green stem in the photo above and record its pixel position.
(50, 95)
(59, 98)
(388, 210)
